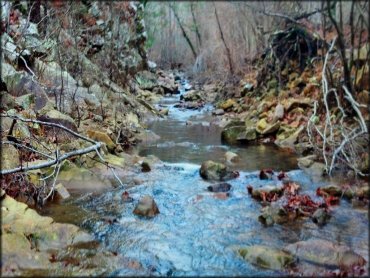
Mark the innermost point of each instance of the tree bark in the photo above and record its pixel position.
(224, 42)
(195, 24)
(342, 50)
(184, 33)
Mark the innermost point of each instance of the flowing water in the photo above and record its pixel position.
(197, 233)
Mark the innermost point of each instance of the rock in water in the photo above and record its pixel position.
(218, 112)
(231, 157)
(62, 191)
(324, 252)
(221, 187)
(320, 217)
(266, 257)
(211, 170)
(145, 167)
(146, 207)
(126, 197)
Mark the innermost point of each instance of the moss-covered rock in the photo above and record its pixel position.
(266, 257)
(211, 170)
(264, 128)
(232, 131)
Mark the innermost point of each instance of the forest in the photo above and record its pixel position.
(184, 138)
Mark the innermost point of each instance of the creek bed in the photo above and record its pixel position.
(197, 233)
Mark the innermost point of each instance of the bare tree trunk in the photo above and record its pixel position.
(342, 50)
(223, 40)
(184, 32)
(195, 24)
(35, 15)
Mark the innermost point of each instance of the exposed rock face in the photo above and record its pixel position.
(266, 257)
(20, 83)
(215, 171)
(146, 207)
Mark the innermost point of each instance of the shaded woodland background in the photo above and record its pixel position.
(223, 37)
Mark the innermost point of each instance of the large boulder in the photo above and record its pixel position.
(20, 84)
(27, 239)
(54, 116)
(191, 96)
(267, 257)
(54, 74)
(232, 132)
(215, 171)
(146, 207)
(324, 252)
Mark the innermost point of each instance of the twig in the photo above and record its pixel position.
(53, 186)
(110, 167)
(49, 163)
(50, 124)
(28, 148)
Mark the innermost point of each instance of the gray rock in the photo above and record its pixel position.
(211, 170)
(146, 207)
(232, 131)
(320, 217)
(307, 161)
(231, 157)
(9, 157)
(267, 257)
(54, 116)
(218, 112)
(324, 252)
(279, 112)
(9, 47)
(220, 187)
(62, 191)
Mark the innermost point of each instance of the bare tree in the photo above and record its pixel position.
(186, 37)
(224, 42)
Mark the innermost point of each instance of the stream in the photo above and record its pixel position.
(195, 232)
